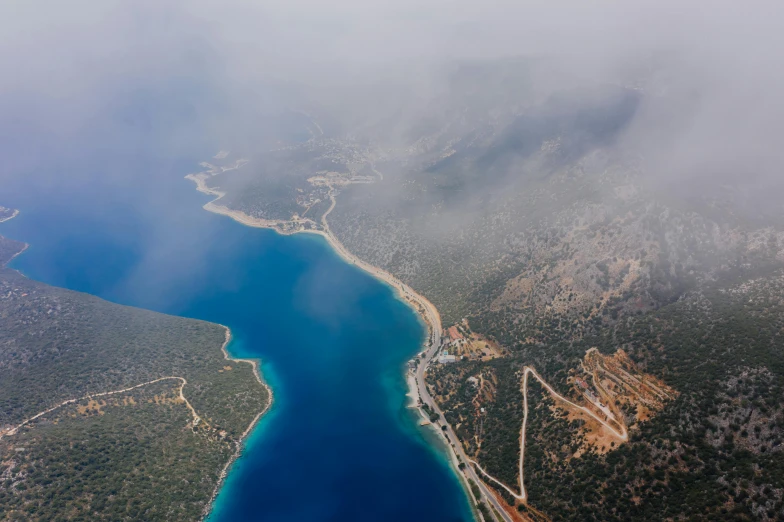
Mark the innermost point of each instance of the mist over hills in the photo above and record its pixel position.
(553, 178)
(535, 218)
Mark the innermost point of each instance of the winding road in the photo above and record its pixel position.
(622, 435)
(196, 417)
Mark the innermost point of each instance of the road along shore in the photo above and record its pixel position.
(426, 310)
(423, 307)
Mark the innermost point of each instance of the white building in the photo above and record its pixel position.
(446, 358)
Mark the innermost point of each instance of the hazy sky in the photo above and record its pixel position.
(713, 99)
(78, 43)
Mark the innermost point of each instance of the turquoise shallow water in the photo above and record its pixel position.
(338, 444)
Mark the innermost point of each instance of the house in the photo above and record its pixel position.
(446, 358)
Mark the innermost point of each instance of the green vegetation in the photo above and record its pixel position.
(138, 455)
(8, 249)
(517, 210)
(715, 452)
(133, 461)
(282, 189)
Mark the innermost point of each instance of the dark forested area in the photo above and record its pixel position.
(714, 453)
(137, 455)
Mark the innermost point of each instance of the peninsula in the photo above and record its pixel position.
(111, 412)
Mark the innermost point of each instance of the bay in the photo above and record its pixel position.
(339, 443)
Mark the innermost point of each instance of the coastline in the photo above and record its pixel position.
(240, 443)
(424, 308)
(12, 216)
(24, 248)
(420, 304)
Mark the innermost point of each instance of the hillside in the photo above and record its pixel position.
(151, 452)
(517, 205)
(713, 450)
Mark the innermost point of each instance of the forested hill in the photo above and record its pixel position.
(712, 452)
(516, 201)
(141, 454)
(8, 249)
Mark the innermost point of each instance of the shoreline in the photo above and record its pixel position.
(424, 308)
(12, 216)
(256, 372)
(420, 304)
(24, 248)
(240, 443)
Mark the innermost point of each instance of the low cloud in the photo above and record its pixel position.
(709, 73)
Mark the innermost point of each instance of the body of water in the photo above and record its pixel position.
(339, 443)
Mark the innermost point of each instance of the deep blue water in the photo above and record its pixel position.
(339, 444)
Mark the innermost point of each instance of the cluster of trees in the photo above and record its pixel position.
(60, 345)
(519, 222)
(713, 453)
(136, 460)
(270, 186)
(8, 249)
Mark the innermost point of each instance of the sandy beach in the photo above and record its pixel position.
(421, 305)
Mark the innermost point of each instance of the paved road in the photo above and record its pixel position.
(435, 343)
(424, 395)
